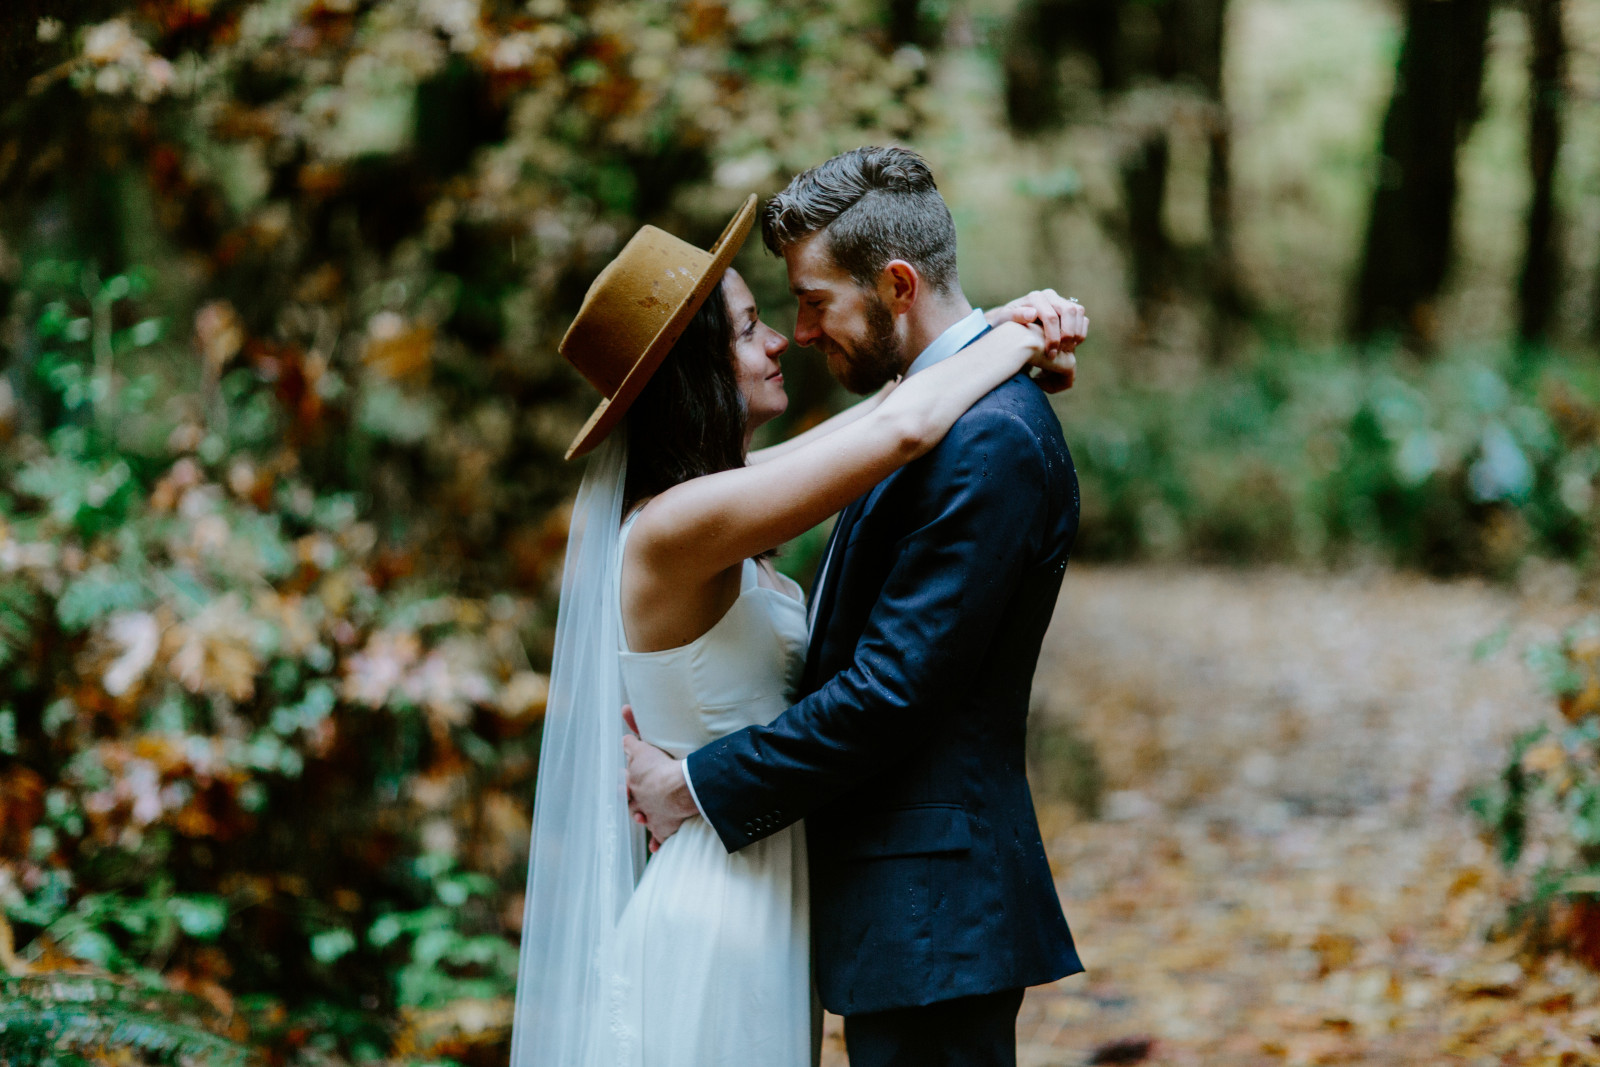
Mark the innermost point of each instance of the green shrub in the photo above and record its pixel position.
(1543, 812)
(1467, 464)
(221, 703)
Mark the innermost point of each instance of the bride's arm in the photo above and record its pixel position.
(844, 418)
(1064, 326)
(702, 527)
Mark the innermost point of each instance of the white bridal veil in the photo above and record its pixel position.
(586, 852)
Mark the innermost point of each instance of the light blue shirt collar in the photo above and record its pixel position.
(950, 342)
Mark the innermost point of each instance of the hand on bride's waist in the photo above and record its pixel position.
(658, 792)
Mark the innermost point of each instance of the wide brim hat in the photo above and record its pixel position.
(635, 311)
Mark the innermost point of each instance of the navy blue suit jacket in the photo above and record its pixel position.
(905, 753)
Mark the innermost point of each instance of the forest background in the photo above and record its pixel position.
(281, 489)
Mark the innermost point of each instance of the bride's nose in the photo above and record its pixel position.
(777, 344)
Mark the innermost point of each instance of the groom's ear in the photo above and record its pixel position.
(898, 286)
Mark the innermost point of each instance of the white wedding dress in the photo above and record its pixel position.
(711, 963)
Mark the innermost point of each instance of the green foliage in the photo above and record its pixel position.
(1466, 464)
(445, 961)
(18, 606)
(114, 931)
(74, 1019)
(1543, 813)
(94, 595)
(1503, 808)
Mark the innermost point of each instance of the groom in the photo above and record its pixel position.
(932, 905)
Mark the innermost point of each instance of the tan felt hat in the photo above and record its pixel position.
(635, 311)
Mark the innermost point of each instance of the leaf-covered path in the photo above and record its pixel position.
(1282, 871)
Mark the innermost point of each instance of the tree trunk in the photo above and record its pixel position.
(1144, 185)
(905, 22)
(1437, 99)
(1536, 290)
(1041, 32)
(1032, 97)
(1191, 44)
(1229, 303)
(20, 47)
(1187, 52)
(1195, 33)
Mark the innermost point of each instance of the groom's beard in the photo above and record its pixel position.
(878, 357)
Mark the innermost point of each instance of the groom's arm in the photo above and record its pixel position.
(985, 494)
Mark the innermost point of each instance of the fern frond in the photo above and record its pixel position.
(57, 1018)
(19, 607)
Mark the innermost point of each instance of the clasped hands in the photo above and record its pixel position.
(658, 793)
(1064, 324)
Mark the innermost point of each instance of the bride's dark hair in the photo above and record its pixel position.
(689, 419)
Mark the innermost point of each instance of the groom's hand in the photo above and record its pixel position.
(658, 793)
(1057, 371)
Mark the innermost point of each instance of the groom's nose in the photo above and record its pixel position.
(805, 328)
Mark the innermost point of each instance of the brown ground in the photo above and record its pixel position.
(1283, 871)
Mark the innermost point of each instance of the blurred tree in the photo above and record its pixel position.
(1176, 45)
(1040, 34)
(1438, 91)
(1547, 92)
(20, 44)
(909, 23)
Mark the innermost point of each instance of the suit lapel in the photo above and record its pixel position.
(823, 594)
(833, 565)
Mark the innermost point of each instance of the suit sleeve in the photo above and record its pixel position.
(982, 503)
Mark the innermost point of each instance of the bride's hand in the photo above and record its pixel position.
(1064, 321)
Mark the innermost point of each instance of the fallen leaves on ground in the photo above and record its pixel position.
(1283, 872)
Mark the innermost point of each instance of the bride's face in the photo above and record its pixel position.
(756, 348)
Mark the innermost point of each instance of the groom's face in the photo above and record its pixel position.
(849, 323)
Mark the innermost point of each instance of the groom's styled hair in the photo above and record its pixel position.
(873, 205)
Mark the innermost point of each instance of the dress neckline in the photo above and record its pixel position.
(781, 577)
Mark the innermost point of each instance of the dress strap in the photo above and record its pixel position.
(749, 576)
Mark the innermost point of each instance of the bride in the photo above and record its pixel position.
(669, 602)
